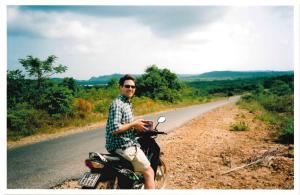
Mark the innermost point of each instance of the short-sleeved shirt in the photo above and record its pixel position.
(120, 112)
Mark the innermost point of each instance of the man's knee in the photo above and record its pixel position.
(148, 172)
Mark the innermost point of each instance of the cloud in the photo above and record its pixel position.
(165, 21)
(46, 25)
(97, 40)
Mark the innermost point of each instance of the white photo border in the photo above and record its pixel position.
(3, 60)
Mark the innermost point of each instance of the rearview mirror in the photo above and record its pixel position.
(161, 119)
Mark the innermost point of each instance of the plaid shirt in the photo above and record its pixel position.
(120, 112)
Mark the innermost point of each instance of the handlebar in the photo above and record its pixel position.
(151, 133)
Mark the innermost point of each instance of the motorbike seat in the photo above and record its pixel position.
(118, 161)
(112, 157)
(105, 158)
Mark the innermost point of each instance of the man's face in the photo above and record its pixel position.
(128, 88)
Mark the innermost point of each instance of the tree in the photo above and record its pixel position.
(15, 87)
(41, 69)
(159, 84)
(113, 83)
(71, 84)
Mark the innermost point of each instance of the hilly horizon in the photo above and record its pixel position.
(212, 75)
(207, 76)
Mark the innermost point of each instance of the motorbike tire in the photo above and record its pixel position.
(161, 175)
(109, 184)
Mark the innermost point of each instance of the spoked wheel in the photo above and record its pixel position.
(161, 175)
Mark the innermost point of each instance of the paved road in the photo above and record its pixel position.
(48, 163)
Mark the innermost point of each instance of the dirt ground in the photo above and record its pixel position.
(205, 154)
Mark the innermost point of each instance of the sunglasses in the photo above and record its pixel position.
(128, 86)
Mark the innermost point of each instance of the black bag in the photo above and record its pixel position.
(151, 150)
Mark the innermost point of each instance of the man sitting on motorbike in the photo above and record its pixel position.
(120, 131)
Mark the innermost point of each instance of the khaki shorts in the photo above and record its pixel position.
(136, 156)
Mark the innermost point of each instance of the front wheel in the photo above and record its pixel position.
(161, 175)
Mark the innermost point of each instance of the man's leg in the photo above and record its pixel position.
(140, 163)
(149, 178)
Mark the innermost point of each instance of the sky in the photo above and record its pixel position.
(102, 40)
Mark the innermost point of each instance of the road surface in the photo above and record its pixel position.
(48, 163)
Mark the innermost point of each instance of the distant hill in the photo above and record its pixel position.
(214, 75)
(223, 75)
(106, 78)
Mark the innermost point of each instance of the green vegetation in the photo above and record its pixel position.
(159, 84)
(37, 104)
(239, 126)
(274, 104)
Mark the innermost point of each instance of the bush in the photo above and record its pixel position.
(24, 120)
(102, 106)
(239, 126)
(56, 100)
(276, 103)
(144, 105)
(16, 88)
(251, 105)
(269, 117)
(280, 88)
(248, 97)
(167, 94)
(82, 107)
(287, 131)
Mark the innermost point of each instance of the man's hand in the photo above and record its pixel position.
(140, 125)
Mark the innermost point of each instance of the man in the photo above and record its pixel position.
(120, 131)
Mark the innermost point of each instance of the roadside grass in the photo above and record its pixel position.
(99, 113)
(60, 126)
(281, 122)
(249, 104)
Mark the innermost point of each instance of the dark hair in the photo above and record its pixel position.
(124, 78)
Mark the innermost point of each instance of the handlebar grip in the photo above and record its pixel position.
(151, 133)
(160, 132)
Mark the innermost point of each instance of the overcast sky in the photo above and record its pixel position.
(101, 40)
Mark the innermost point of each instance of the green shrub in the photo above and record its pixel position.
(167, 94)
(102, 106)
(269, 117)
(280, 88)
(239, 126)
(251, 105)
(287, 131)
(247, 98)
(24, 120)
(276, 103)
(276, 110)
(56, 100)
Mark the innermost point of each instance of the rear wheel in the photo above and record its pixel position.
(109, 184)
(161, 175)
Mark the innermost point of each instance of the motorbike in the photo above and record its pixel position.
(112, 171)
